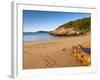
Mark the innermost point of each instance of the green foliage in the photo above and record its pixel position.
(80, 24)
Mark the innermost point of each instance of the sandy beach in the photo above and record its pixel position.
(54, 53)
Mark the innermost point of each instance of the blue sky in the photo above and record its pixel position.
(46, 20)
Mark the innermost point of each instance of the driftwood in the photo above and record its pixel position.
(81, 55)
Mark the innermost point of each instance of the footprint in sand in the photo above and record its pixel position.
(49, 61)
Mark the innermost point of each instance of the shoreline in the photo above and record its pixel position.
(54, 40)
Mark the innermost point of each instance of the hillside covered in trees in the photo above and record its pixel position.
(76, 27)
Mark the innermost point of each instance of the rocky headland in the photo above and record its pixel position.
(73, 28)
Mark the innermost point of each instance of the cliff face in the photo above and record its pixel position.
(73, 28)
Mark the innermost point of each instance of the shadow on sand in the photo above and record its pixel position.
(87, 50)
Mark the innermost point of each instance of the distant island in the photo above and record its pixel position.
(42, 32)
(73, 28)
(25, 33)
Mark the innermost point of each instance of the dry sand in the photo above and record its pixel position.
(50, 54)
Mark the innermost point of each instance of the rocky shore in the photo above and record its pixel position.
(67, 32)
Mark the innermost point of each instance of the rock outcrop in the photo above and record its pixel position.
(66, 32)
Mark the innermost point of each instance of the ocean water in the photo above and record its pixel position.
(39, 36)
